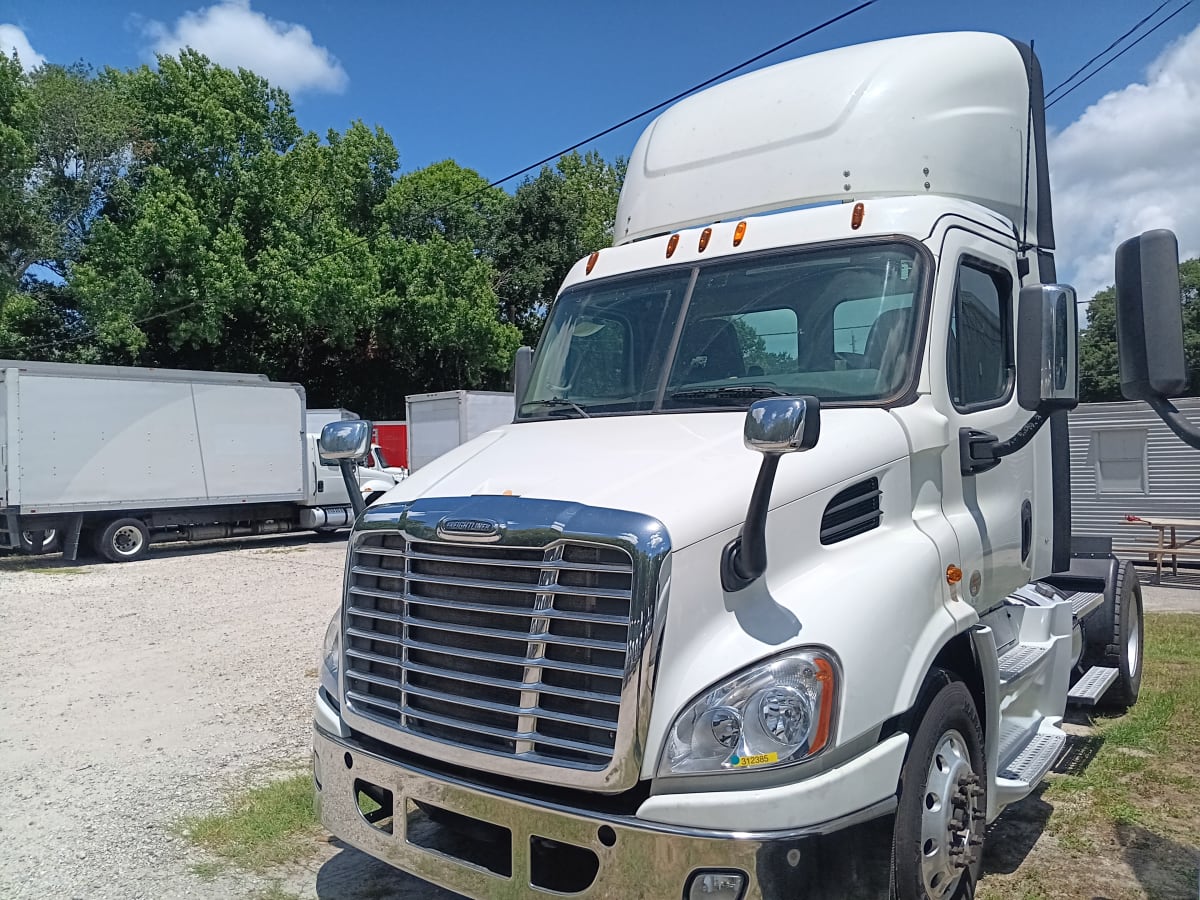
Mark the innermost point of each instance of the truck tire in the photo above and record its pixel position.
(1122, 621)
(123, 540)
(49, 541)
(941, 814)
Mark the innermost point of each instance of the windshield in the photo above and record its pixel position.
(836, 323)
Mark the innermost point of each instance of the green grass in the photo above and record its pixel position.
(1143, 772)
(262, 828)
(1138, 801)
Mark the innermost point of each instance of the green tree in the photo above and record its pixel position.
(18, 231)
(554, 219)
(1099, 374)
(447, 200)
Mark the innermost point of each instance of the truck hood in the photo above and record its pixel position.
(690, 471)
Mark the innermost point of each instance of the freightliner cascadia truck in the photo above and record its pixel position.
(768, 589)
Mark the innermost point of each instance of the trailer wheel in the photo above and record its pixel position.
(49, 541)
(123, 540)
(940, 818)
(1124, 651)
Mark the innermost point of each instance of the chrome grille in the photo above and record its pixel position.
(511, 650)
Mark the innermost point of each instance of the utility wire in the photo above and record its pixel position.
(494, 184)
(1100, 69)
(1058, 87)
(619, 125)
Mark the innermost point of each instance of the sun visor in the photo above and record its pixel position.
(944, 114)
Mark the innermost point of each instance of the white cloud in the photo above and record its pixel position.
(1130, 163)
(231, 34)
(13, 38)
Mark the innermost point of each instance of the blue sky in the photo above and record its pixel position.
(496, 86)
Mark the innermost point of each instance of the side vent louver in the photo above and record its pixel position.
(852, 511)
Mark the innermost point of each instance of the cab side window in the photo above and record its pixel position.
(979, 357)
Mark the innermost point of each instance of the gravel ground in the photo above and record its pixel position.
(137, 693)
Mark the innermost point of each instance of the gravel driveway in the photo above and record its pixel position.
(136, 693)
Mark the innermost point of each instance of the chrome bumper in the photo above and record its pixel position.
(849, 858)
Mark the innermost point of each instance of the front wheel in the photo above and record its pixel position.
(942, 809)
(123, 540)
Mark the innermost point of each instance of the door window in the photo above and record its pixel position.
(980, 349)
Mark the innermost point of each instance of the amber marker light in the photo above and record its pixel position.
(739, 233)
(705, 237)
(856, 217)
(825, 714)
(953, 574)
(672, 244)
(591, 264)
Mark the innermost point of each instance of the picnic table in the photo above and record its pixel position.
(1167, 542)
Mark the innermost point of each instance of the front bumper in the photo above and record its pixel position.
(533, 845)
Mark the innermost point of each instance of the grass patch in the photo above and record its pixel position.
(1143, 774)
(1128, 826)
(264, 827)
(60, 570)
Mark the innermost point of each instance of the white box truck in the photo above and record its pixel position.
(441, 421)
(113, 458)
(768, 591)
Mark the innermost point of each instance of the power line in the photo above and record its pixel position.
(1097, 71)
(1054, 90)
(349, 245)
(619, 125)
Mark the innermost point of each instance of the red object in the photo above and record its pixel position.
(392, 438)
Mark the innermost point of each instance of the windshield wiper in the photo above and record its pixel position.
(556, 403)
(730, 392)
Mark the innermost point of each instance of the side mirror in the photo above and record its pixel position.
(1047, 348)
(1150, 318)
(522, 371)
(346, 439)
(774, 426)
(783, 424)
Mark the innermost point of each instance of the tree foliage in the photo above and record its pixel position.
(176, 215)
(1099, 375)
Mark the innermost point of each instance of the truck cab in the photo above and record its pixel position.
(767, 591)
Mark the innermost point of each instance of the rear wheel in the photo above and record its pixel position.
(49, 541)
(123, 540)
(942, 808)
(1124, 652)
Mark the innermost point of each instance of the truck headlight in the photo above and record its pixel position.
(775, 713)
(330, 654)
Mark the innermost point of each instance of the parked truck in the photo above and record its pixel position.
(441, 421)
(110, 459)
(768, 589)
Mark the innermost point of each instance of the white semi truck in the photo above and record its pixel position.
(768, 590)
(110, 458)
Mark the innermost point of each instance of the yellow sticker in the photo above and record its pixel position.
(760, 759)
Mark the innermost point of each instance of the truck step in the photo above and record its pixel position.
(1019, 660)
(1088, 690)
(1085, 603)
(1035, 759)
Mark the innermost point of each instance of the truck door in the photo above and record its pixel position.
(991, 511)
(328, 486)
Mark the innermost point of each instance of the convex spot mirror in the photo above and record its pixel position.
(1150, 317)
(347, 439)
(1047, 348)
(783, 424)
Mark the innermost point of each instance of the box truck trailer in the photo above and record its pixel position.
(110, 459)
(441, 421)
(768, 590)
